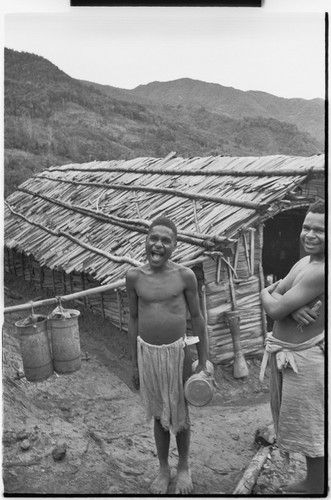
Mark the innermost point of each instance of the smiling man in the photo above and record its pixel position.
(159, 293)
(296, 350)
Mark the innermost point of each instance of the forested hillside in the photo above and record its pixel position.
(53, 119)
(307, 115)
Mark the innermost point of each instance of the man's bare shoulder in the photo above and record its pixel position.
(306, 264)
(133, 273)
(310, 274)
(185, 272)
(301, 263)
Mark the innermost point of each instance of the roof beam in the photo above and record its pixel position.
(172, 192)
(218, 173)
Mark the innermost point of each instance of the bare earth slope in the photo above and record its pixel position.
(96, 417)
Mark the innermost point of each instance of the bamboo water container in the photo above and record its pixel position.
(35, 348)
(65, 340)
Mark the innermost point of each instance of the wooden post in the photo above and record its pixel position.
(240, 368)
(263, 314)
(247, 254)
(205, 314)
(252, 238)
(236, 255)
(218, 268)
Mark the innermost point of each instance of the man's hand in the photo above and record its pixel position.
(304, 316)
(271, 288)
(201, 367)
(135, 377)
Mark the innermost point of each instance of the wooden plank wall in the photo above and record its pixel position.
(247, 285)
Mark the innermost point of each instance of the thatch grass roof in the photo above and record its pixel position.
(92, 217)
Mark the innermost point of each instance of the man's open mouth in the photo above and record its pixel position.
(156, 257)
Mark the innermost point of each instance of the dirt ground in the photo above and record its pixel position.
(94, 420)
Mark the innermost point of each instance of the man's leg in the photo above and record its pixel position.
(184, 484)
(314, 481)
(315, 475)
(162, 440)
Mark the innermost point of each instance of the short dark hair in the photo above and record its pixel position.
(318, 207)
(164, 221)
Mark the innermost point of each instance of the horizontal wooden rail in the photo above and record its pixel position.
(66, 298)
(84, 293)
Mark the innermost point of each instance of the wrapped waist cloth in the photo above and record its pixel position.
(284, 351)
(161, 383)
(297, 394)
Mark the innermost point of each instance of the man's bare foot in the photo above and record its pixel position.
(160, 484)
(184, 484)
(299, 487)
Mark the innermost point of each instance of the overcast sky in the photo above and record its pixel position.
(279, 52)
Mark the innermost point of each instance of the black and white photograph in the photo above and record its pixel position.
(163, 300)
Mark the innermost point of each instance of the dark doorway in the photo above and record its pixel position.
(281, 243)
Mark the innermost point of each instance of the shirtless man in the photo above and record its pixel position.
(296, 350)
(159, 294)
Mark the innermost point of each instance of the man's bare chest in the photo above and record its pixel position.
(160, 290)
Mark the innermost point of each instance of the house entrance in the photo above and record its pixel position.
(281, 243)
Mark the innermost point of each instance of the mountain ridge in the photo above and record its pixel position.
(51, 119)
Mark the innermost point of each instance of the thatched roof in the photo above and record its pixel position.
(92, 217)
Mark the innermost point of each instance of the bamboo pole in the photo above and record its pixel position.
(264, 320)
(79, 242)
(231, 285)
(205, 315)
(252, 235)
(218, 269)
(64, 298)
(207, 242)
(260, 207)
(315, 171)
(91, 291)
(236, 255)
(248, 480)
(247, 254)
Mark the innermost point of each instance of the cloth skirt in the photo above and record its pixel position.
(299, 420)
(161, 383)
